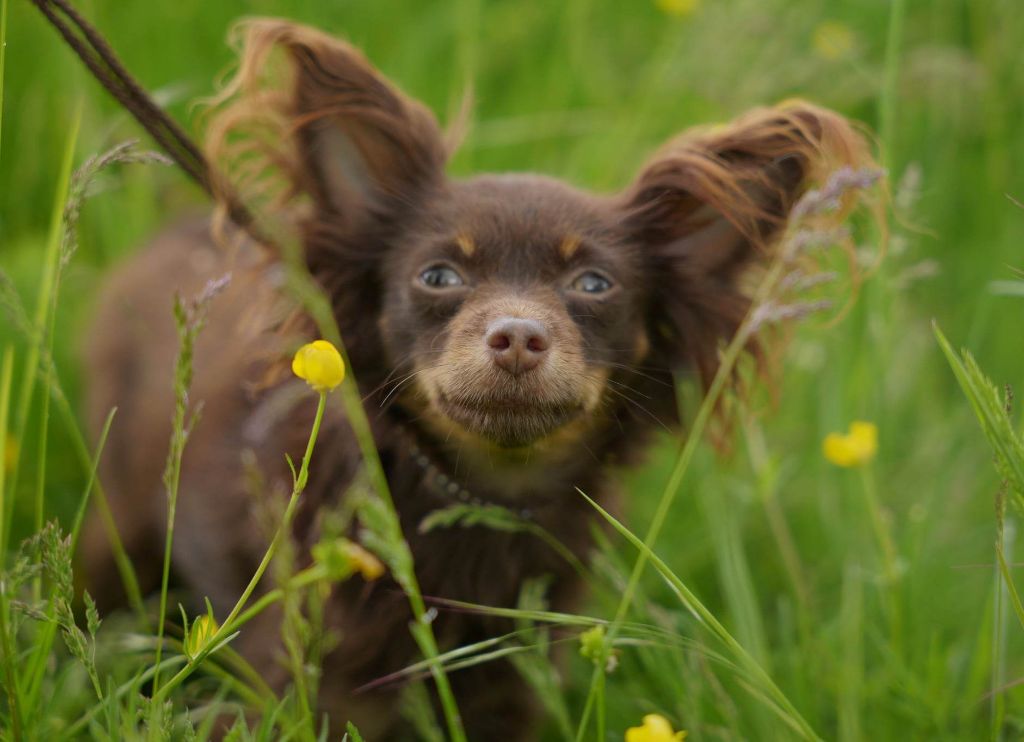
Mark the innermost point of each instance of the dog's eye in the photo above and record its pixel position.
(441, 277)
(591, 282)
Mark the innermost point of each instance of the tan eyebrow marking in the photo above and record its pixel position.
(569, 245)
(466, 244)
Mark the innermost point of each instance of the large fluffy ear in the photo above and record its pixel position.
(365, 145)
(341, 132)
(713, 202)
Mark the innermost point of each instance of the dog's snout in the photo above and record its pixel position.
(516, 344)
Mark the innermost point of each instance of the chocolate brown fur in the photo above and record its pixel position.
(361, 171)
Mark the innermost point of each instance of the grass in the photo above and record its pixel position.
(768, 557)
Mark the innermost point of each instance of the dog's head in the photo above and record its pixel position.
(514, 298)
(514, 309)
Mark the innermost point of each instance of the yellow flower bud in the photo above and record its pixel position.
(856, 448)
(368, 565)
(592, 643)
(656, 728)
(199, 635)
(341, 557)
(319, 363)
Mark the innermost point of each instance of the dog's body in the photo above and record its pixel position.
(513, 338)
(220, 532)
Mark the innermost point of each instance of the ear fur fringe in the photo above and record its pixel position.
(750, 173)
(258, 126)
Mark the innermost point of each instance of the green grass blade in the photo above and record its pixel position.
(315, 302)
(750, 665)
(111, 699)
(189, 318)
(41, 322)
(998, 668)
(1015, 601)
(83, 502)
(6, 371)
(3, 59)
(990, 410)
(890, 80)
(851, 667)
(735, 574)
(11, 684)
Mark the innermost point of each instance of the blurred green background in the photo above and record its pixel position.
(585, 90)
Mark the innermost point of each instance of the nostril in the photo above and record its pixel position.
(537, 343)
(499, 341)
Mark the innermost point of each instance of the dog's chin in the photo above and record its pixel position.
(509, 423)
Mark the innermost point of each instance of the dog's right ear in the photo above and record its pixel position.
(365, 149)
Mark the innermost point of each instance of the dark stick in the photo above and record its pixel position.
(94, 51)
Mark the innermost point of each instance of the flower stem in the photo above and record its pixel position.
(230, 624)
(715, 390)
(890, 558)
(423, 632)
(315, 302)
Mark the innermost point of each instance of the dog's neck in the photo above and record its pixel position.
(523, 480)
(440, 479)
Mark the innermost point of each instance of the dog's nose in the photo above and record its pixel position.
(517, 345)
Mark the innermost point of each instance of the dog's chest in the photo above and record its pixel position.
(480, 565)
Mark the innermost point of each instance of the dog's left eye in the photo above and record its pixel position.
(441, 277)
(591, 282)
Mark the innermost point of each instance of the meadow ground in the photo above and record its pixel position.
(784, 548)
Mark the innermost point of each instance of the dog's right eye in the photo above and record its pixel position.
(441, 277)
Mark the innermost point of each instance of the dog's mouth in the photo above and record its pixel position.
(510, 422)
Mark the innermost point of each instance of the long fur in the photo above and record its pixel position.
(331, 152)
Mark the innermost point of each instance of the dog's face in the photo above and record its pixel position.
(512, 298)
(515, 309)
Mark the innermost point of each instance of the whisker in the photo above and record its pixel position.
(409, 377)
(629, 388)
(640, 407)
(637, 370)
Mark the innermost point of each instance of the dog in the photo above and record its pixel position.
(515, 338)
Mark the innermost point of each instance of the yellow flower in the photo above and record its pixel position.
(678, 8)
(856, 448)
(341, 557)
(832, 40)
(655, 729)
(199, 635)
(368, 565)
(320, 364)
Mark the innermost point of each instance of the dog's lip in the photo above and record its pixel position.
(519, 406)
(510, 423)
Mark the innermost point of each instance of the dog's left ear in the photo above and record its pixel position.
(710, 205)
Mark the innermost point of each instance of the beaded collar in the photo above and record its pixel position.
(447, 487)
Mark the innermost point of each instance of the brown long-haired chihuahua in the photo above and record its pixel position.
(492, 324)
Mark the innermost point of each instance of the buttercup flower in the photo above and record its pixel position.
(319, 363)
(832, 40)
(341, 557)
(199, 635)
(678, 8)
(856, 448)
(656, 728)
